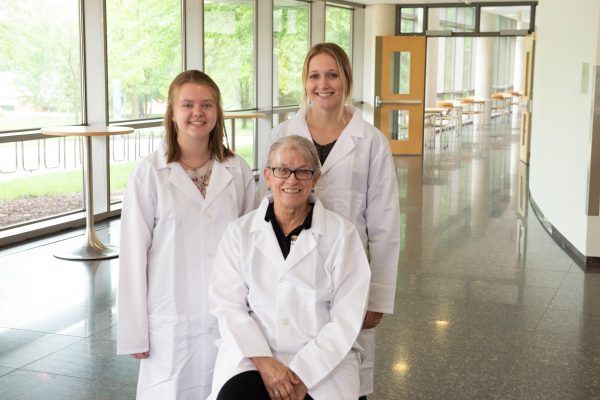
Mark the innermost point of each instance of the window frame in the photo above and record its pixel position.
(477, 6)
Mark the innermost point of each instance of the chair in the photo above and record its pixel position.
(473, 109)
(498, 105)
(455, 112)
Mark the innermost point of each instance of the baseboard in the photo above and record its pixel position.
(587, 264)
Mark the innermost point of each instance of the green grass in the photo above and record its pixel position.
(242, 147)
(42, 185)
(246, 153)
(119, 174)
(56, 183)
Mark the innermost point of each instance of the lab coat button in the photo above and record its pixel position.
(286, 284)
(285, 321)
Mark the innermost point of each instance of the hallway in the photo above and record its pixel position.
(487, 305)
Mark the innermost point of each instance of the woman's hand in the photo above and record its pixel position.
(299, 386)
(276, 377)
(372, 319)
(141, 356)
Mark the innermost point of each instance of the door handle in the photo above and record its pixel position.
(379, 102)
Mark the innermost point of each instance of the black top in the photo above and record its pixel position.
(286, 242)
(323, 150)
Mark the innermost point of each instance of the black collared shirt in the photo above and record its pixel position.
(285, 242)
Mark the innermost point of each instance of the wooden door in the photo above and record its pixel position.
(400, 91)
(527, 98)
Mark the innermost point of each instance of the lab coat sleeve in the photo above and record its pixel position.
(383, 227)
(137, 221)
(350, 278)
(249, 197)
(228, 298)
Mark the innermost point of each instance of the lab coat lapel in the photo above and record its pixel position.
(343, 146)
(303, 246)
(179, 178)
(346, 142)
(308, 239)
(264, 237)
(219, 179)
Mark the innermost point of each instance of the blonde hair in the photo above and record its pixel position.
(216, 144)
(343, 64)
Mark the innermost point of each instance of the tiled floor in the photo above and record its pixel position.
(488, 306)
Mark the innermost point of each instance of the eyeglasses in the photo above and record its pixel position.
(284, 173)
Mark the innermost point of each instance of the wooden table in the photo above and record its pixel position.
(91, 248)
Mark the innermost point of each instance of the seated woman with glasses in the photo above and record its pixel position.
(289, 290)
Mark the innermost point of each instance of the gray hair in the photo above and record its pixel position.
(304, 146)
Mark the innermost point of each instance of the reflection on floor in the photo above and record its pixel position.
(487, 307)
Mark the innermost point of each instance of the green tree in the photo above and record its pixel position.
(229, 51)
(290, 38)
(144, 52)
(40, 46)
(338, 27)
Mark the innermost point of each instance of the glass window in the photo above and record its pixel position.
(229, 50)
(125, 151)
(411, 20)
(468, 63)
(503, 64)
(455, 68)
(290, 44)
(507, 18)
(144, 55)
(400, 68)
(450, 57)
(39, 179)
(338, 27)
(454, 19)
(240, 135)
(40, 68)
(399, 125)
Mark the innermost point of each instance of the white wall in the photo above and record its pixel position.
(379, 21)
(593, 239)
(567, 36)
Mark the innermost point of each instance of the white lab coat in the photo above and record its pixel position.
(306, 310)
(358, 181)
(169, 236)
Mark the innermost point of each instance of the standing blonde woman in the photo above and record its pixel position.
(177, 204)
(358, 179)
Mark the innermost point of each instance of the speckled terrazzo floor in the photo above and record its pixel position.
(487, 305)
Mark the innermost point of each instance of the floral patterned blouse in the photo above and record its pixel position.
(201, 176)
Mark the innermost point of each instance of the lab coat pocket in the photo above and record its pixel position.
(313, 309)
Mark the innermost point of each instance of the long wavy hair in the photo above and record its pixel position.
(217, 145)
(343, 64)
